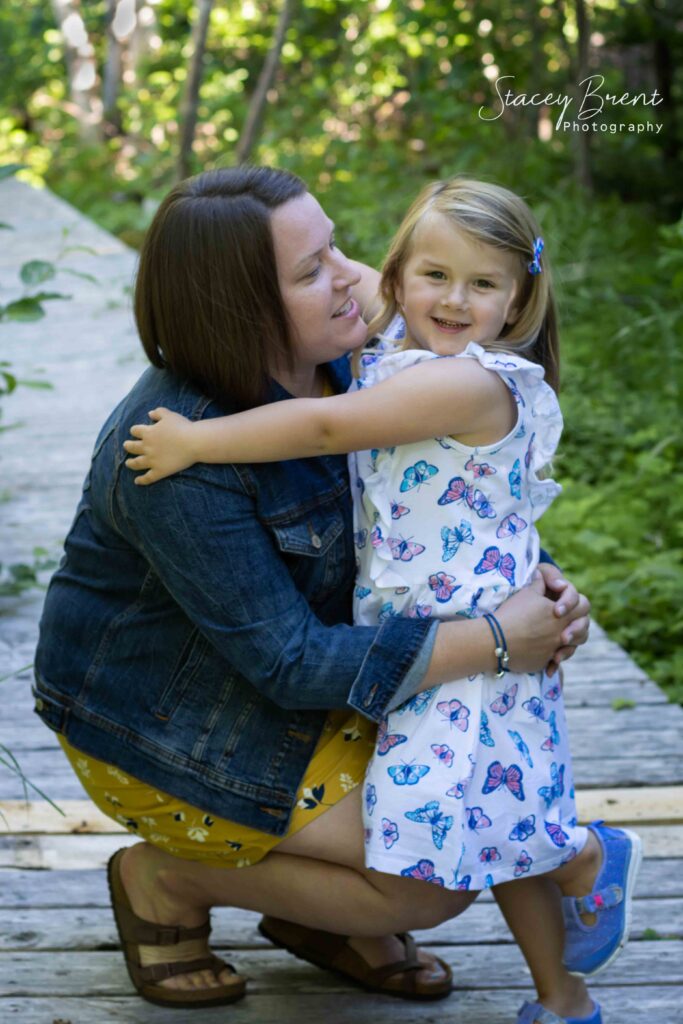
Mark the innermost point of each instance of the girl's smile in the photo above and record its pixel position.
(454, 289)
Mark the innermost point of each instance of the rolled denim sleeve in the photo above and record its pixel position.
(220, 564)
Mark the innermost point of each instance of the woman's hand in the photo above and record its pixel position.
(163, 448)
(542, 631)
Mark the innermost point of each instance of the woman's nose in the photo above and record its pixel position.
(346, 274)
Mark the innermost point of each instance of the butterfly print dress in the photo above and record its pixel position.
(470, 784)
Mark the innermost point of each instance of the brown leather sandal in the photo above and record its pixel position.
(332, 953)
(134, 932)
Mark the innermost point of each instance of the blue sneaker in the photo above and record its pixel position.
(532, 1012)
(589, 948)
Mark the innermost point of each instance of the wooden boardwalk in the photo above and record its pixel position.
(59, 960)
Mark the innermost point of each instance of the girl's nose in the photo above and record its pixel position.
(457, 296)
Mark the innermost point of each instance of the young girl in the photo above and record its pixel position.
(470, 785)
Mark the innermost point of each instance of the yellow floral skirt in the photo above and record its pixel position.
(337, 766)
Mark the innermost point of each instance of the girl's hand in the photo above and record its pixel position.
(570, 604)
(164, 448)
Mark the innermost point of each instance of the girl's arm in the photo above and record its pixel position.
(437, 398)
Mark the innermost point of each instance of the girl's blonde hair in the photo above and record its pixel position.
(491, 215)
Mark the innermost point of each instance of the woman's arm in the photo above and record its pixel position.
(436, 398)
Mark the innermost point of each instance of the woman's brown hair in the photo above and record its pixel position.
(207, 302)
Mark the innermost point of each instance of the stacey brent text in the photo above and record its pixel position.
(592, 101)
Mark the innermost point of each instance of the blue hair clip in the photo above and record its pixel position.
(535, 266)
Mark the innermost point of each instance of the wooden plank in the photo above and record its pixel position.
(93, 928)
(642, 1004)
(486, 966)
(663, 805)
(63, 888)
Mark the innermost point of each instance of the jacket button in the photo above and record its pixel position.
(39, 705)
(316, 541)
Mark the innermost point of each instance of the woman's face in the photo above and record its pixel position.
(315, 281)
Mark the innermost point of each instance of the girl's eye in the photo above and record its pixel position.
(437, 275)
(482, 282)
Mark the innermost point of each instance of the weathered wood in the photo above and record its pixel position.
(484, 966)
(93, 928)
(655, 805)
(643, 1004)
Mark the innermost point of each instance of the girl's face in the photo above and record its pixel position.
(455, 290)
(315, 281)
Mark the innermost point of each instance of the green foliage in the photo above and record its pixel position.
(22, 576)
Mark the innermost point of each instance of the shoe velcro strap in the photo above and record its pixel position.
(532, 1012)
(146, 933)
(603, 899)
(159, 972)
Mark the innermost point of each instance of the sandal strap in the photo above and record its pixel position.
(411, 962)
(603, 899)
(159, 972)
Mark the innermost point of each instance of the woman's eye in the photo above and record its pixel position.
(313, 273)
(333, 242)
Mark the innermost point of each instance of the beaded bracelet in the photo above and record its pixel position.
(501, 649)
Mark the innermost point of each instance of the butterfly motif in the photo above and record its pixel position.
(493, 560)
(556, 833)
(521, 746)
(471, 611)
(415, 476)
(419, 703)
(476, 819)
(419, 611)
(515, 392)
(443, 585)
(489, 854)
(511, 526)
(515, 479)
(497, 776)
(362, 592)
(553, 692)
(488, 881)
(505, 701)
(458, 790)
(556, 788)
(444, 443)
(554, 738)
(462, 884)
(404, 550)
(368, 359)
(389, 833)
(529, 451)
(376, 537)
(367, 835)
(570, 856)
(360, 485)
(401, 590)
(386, 741)
(431, 815)
(480, 469)
(398, 510)
(443, 753)
(360, 538)
(475, 499)
(424, 870)
(370, 798)
(522, 864)
(485, 736)
(535, 707)
(407, 774)
(453, 538)
(456, 713)
(524, 828)
(387, 611)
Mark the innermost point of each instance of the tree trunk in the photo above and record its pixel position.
(188, 111)
(257, 106)
(111, 79)
(79, 55)
(583, 153)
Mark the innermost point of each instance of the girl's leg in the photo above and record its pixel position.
(533, 913)
(315, 878)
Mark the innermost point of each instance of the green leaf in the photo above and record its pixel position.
(25, 310)
(37, 271)
(7, 170)
(40, 385)
(622, 704)
(5, 227)
(651, 933)
(80, 273)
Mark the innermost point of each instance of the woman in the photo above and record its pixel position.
(195, 654)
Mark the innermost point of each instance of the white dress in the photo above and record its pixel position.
(470, 784)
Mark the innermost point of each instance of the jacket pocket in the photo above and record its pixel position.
(311, 535)
(190, 661)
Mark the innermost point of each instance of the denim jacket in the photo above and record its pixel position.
(197, 631)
